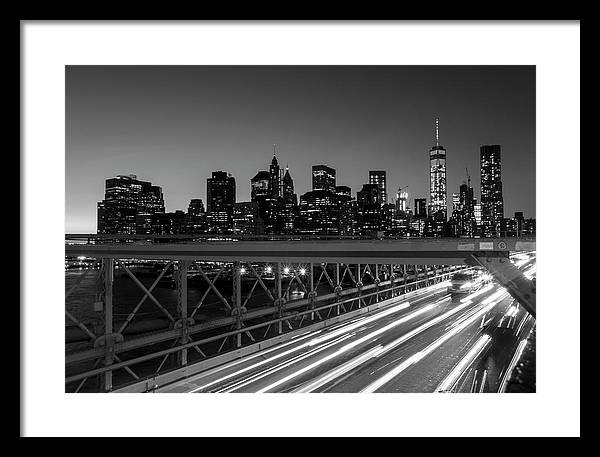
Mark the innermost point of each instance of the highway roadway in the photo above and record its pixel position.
(425, 341)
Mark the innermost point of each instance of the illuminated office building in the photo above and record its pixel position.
(129, 205)
(220, 196)
(437, 179)
(323, 178)
(492, 202)
(378, 177)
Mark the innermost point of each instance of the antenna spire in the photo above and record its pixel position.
(437, 131)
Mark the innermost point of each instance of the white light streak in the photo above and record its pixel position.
(464, 363)
(348, 347)
(512, 365)
(326, 337)
(339, 371)
(476, 294)
(421, 354)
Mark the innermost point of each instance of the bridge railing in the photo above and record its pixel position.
(108, 348)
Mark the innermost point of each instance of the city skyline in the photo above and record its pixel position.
(403, 168)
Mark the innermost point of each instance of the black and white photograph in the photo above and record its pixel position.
(332, 228)
(300, 229)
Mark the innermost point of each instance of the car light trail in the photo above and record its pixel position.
(494, 296)
(312, 342)
(512, 365)
(531, 271)
(341, 329)
(339, 371)
(464, 363)
(520, 263)
(523, 322)
(512, 311)
(361, 322)
(260, 354)
(350, 346)
(378, 353)
(421, 354)
(476, 294)
(255, 377)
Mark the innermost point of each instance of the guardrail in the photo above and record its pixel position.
(238, 322)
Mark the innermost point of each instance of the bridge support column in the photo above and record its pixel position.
(377, 281)
(311, 288)
(416, 267)
(237, 300)
(359, 284)
(279, 298)
(338, 287)
(392, 280)
(182, 304)
(498, 264)
(108, 265)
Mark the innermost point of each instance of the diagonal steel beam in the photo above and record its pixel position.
(141, 286)
(214, 288)
(205, 294)
(81, 277)
(509, 276)
(143, 299)
(262, 284)
(81, 325)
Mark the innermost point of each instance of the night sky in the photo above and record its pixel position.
(174, 125)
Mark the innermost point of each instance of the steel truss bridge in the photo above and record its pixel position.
(267, 291)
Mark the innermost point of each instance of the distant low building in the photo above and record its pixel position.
(246, 219)
(169, 223)
(517, 226)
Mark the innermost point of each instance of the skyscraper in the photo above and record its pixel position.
(318, 213)
(129, 205)
(347, 210)
(369, 209)
(196, 207)
(290, 203)
(477, 214)
(401, 202)
(492, 202)
(323, 178)
(421, 207)
(467, 204)
(378, 177)
(259, 193)
(220, 198)
(246, 220)
(274, 177)
(195, 220)
(438, 209)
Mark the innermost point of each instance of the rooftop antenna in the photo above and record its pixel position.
(468, 178)
(437, 131)
(274, 149)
